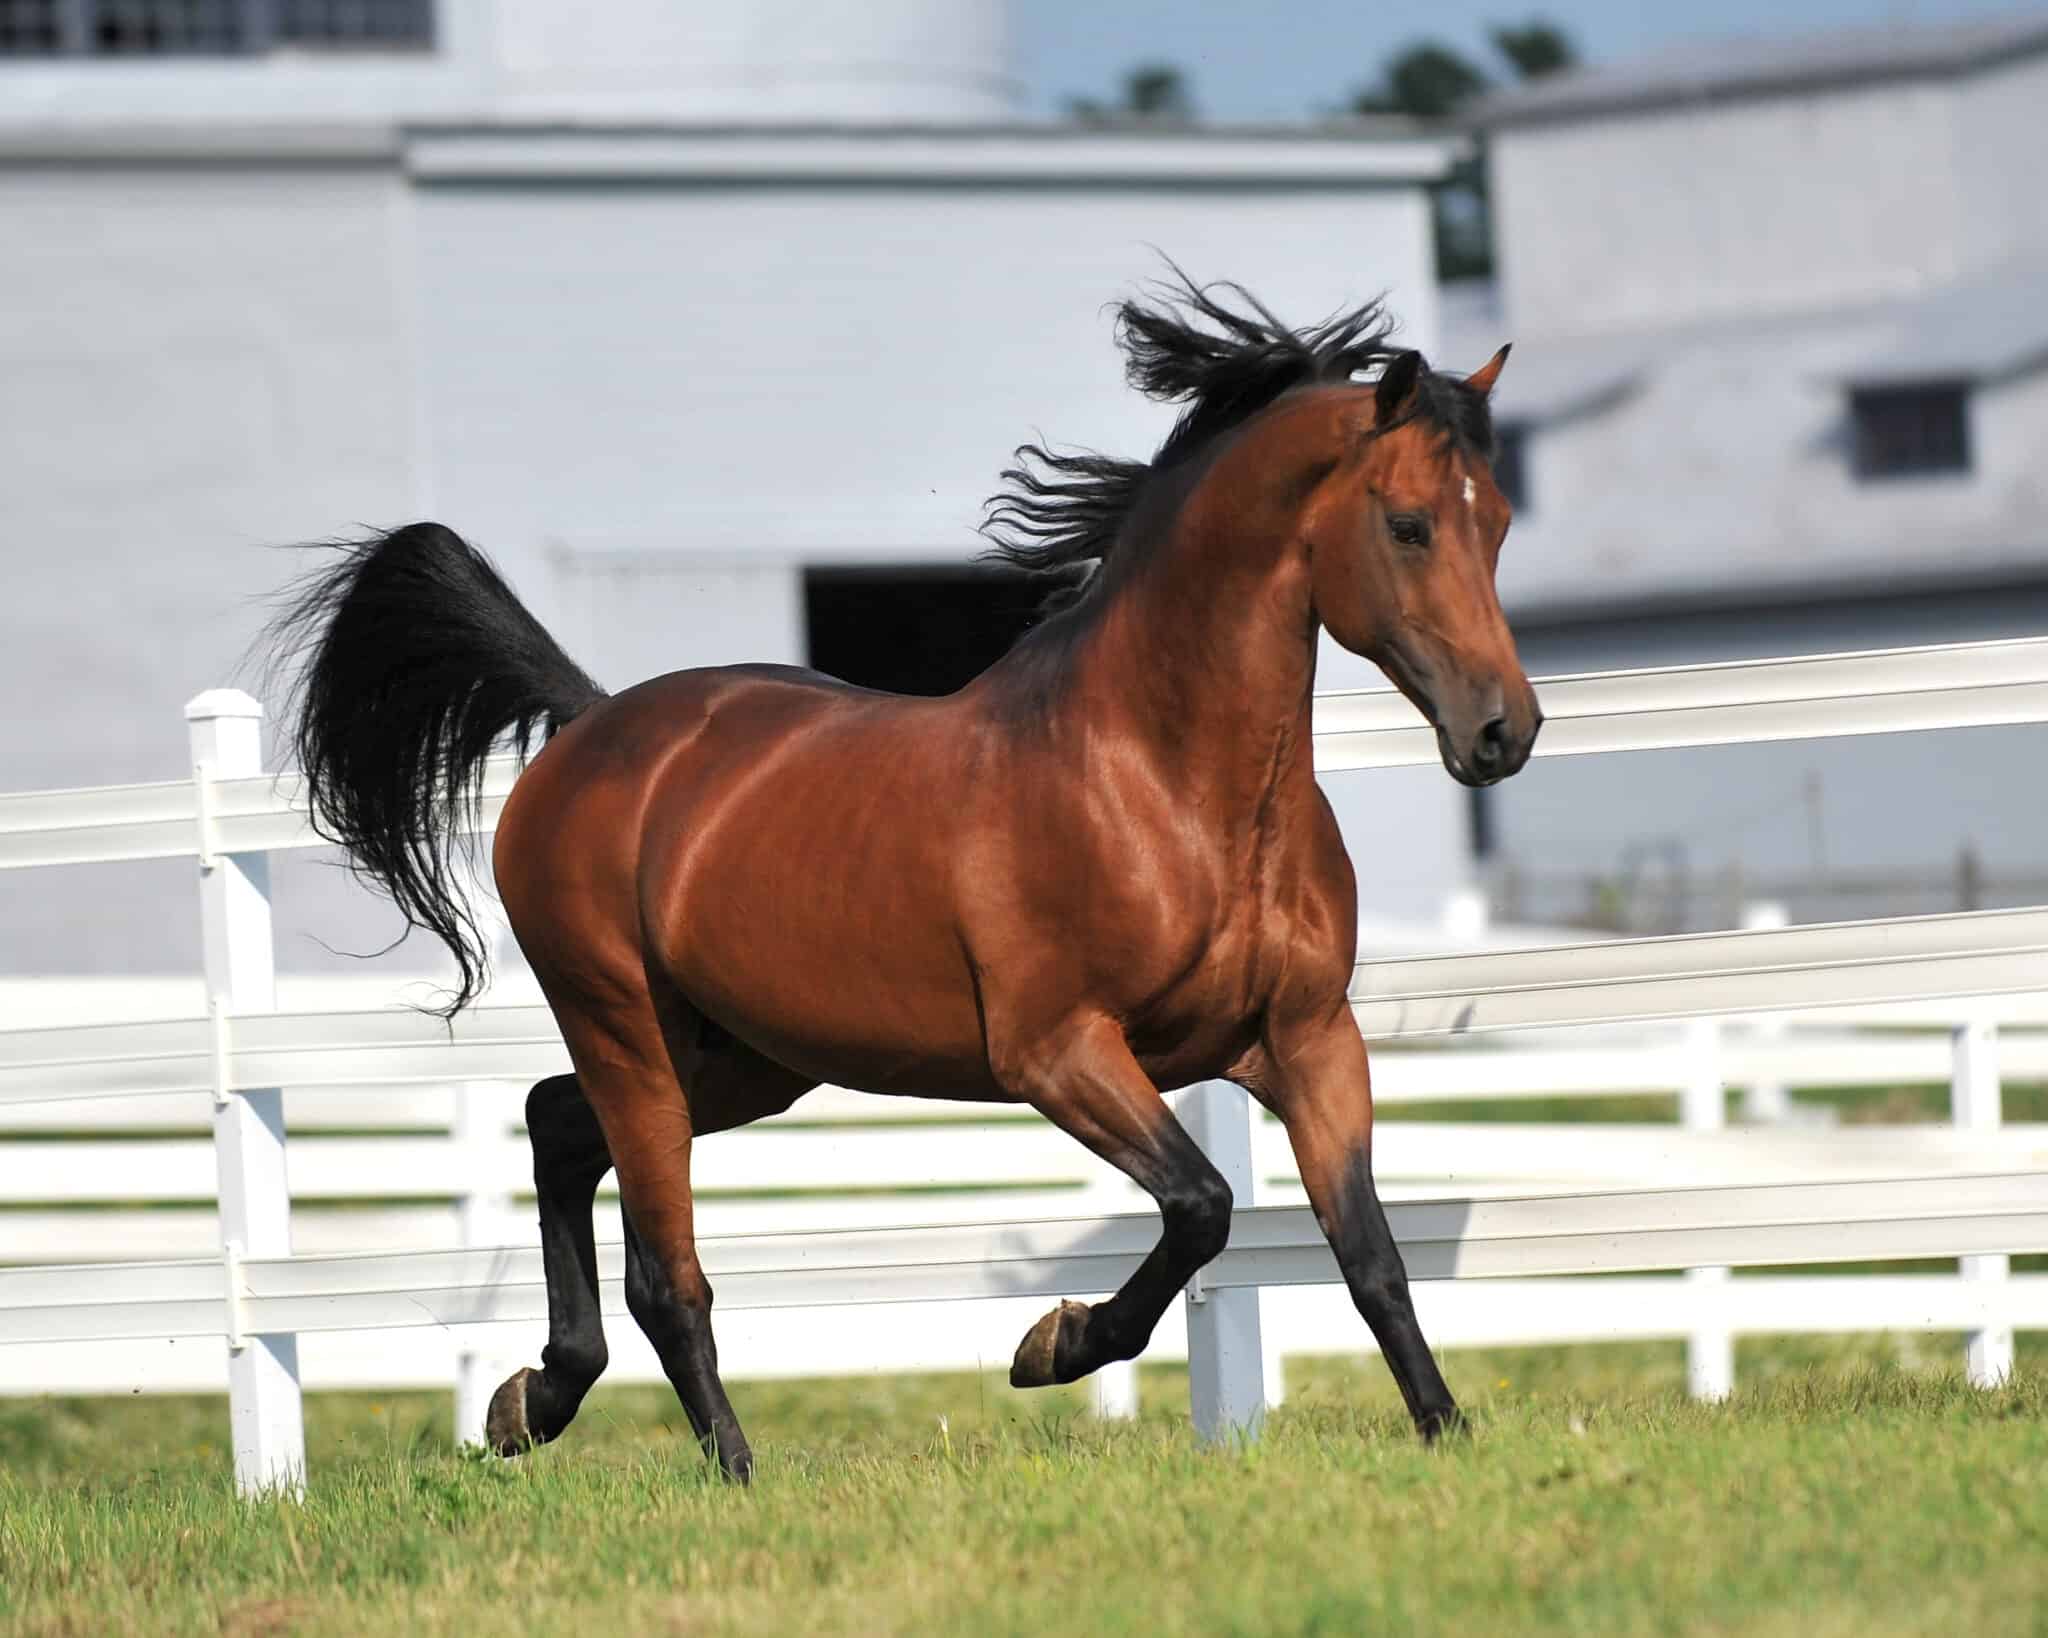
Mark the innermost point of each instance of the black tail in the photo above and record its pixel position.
(416, 661)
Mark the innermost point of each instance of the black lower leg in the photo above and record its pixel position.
(1379, 1286)
(569, 1161)
(678, 1323)
(1194, 1207)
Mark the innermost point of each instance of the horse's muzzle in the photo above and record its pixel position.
(1490, 751)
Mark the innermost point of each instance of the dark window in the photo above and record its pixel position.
(30, 28)
(121, 28)
(915, 630)
(1511, 464)
(1901, 431)
(355, 22)
(156, 28)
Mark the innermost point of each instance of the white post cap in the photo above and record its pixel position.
(221, 702)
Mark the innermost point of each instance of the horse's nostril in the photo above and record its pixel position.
(1490, 749)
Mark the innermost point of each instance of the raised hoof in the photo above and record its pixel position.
(1038, 1355)
(505, 1428)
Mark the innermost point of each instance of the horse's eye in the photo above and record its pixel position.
(1409, 529)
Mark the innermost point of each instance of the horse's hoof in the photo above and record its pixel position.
(1448, 1422)
(1037, 1361)
(505, 1429)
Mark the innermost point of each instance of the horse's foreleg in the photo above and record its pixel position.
(1095, 1091)
(1318, 1083)
(569, 1161)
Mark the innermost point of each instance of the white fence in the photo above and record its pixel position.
(1976, 1190)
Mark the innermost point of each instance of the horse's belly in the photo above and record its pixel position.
(836, 1026)
(829, 949)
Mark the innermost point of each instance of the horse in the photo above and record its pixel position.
(1100, 871)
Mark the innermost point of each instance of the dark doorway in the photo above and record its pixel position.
(915, 630)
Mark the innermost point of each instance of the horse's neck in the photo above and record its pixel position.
(1212, 647)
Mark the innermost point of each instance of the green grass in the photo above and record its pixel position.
(1852, 1487)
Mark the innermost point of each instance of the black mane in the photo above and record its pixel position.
(1219, 351)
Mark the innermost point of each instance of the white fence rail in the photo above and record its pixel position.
(1978, 1191)
(1963, 685)
(1617, 1231)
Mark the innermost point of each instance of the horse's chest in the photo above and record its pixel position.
(1200, 1018)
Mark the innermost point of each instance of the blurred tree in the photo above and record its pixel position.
(1432, 81)
(1158, 91)
(1149, 91)
(1427, 81)
(1535, 48)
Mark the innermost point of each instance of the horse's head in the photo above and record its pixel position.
(1404, 536)
(1376, 502)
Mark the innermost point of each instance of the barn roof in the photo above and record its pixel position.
(1752, 66)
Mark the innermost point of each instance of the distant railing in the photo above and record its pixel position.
(1670, 894)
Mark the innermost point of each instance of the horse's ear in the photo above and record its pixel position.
(1396, 384)
(1482, 379)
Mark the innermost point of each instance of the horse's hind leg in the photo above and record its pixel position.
(666, 1290)
(728, 1084)
(630, 1060)
(570, 1159)
(1095, 1090)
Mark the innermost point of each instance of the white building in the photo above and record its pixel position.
(1780, 384)
(709, 321)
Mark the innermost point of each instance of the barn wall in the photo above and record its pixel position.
(653, 369)
(655, 405)
(201, 362)
(1767, 204)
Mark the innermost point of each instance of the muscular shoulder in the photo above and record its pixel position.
(1315, 921)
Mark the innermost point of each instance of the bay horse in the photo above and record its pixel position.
(1101, 870)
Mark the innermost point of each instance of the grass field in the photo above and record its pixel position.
(1852, 1487)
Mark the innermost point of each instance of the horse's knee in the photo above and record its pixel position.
(1198, 1213)
(1379, 1288)
(569, 1150)
(559, 1117)
(551, 1100)
(671, 1307)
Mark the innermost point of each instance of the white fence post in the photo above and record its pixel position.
(1710, 1348)
(1225, 1357)
(264, 1404)
(1976, 1103)
(1113, 1390)
(483, 1214)
(1765, 1100)
(1272, 1367)
(1465, 916)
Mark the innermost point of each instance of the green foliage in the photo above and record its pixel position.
(1426, 81)
(1433, 81)
(1841, 1492)
(1156, 90)
(1150, 91)
(1535, 48)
